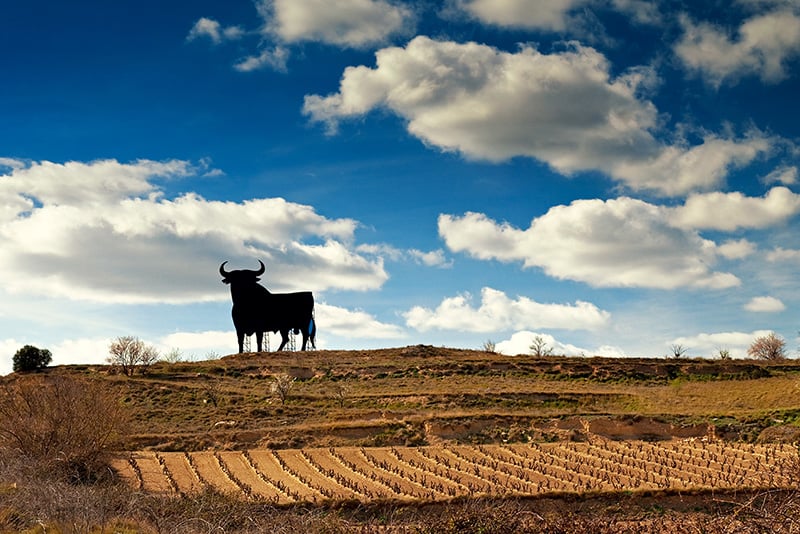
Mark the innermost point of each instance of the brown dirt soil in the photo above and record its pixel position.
(428, 395)
(434, 473)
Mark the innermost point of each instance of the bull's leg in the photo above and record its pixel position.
(259, 339)
(305, 338)
(240, 337)
(284, 339)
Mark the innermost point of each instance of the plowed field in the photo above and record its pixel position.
(440, 473)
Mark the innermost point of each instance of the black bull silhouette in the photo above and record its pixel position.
(256, 310)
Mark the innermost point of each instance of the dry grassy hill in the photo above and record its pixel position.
(421, 395)
(425, 439)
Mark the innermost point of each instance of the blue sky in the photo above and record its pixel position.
(617, 176)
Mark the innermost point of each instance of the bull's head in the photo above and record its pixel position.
(241, 275)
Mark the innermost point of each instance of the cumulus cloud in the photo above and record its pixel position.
(194, 344)
(761, 47)
(103, 231)
(731, 211)
(735, 249)
(355, 323)
(520, 343)
(499, 312)
(679, 169)
(213, 30)
(765, 305)
(705, 344)
(564, 108)
(432, 258)
(786, 174)
(783, 254)
(8, 347)
(346, 23)
(621, 242)
(276, 58)
(333, 320)
(642, 11)
(553, 15)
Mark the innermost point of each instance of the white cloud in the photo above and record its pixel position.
(9, 347)
(765, 305)
(762, 47)
(709, 345)
(276, 58)
(783, 254)
(620, 242)
(783, 175)
(643, 11)
(735, 249)
(211, 29)
(89, 351)
(552, 15)
(199, 343)
(679, 169)
(565, 109)
(347, 23)
(433, 258)
(730, 211)
(354, 324)
(85, 351)
(520, 343)
(498, 312)
(103, 231)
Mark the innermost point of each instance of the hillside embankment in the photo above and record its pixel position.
(424, 395)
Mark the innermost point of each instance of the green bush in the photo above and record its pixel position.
(30, 358)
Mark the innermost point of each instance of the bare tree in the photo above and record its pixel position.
(489, 346)
(128, 353)
(539, 347)
(769, 347)
(282, 385)
(678, 350)
(212, 391)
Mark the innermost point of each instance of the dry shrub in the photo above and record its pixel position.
(476, 515)
(54, 505)
(60, 426)
(211, 511)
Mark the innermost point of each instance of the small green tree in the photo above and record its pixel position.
(30, 358)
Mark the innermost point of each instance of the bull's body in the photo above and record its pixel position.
(256, 310)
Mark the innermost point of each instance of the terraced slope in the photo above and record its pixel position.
(440, 473)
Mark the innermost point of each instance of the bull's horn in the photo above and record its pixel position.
(222, 270)
(261, 271)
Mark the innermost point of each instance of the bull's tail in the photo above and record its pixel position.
(312, 332)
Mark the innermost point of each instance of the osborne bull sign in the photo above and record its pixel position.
(256, 310)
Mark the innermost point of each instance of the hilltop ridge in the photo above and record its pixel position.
(420, 394)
